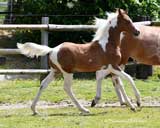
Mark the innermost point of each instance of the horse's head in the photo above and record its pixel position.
(125, 23)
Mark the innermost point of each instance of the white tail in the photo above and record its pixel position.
(32, 49)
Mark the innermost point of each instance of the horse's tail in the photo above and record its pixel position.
(32, 49)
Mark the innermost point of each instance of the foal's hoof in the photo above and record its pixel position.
(35, 113)
(123, 104)
(85, 111)
(138, 104)
(133, 109)
(93, 103)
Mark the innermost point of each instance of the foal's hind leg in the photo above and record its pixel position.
(116, 85)
(118, 72)
(67, 87)
(121, 87)
(44, 84)
(99, 77)
(136, 91)
(127, 77)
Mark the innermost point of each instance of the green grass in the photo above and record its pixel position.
(24, 90)
(70, 118)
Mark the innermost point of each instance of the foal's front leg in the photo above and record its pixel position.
(67, 87)
(124, 75)
(118, 82)
(136, 91)
(118, 90)
(99, 77)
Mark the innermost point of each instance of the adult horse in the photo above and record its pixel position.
(144, 48)
(69, 57)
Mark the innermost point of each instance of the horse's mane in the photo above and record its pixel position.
(103, 26)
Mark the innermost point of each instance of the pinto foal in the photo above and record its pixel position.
(144, 49)
(69, 57)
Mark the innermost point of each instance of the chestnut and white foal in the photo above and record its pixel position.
(144, 49)
(102, 52)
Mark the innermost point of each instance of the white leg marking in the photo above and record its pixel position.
(129, 78)
(44, 84)
(136, 91)
(99, 77)
(122, 67)
(121, 74)
(67, 87)
(121, 87)
(121, 98)
(117, 90)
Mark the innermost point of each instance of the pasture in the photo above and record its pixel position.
(23, 91)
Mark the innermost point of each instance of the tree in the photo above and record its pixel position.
(76, 12)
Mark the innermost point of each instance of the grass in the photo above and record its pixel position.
(21, 91)
(24, 90)
(70, 118)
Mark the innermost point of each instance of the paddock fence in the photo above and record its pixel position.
(44, 28)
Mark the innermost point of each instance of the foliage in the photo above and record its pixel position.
(76, 12)
(139, 8)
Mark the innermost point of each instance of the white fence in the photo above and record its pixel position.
(45, 27)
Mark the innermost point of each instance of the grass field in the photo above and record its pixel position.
(70, 118)
(22, 91)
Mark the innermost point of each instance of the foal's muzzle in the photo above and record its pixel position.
(136, 33)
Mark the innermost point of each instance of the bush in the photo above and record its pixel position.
(76, 12)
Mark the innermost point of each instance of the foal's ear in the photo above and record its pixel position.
(121, 11)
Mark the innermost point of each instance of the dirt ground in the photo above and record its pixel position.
(67, 103)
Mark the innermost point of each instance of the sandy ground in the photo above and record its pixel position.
(68, 103)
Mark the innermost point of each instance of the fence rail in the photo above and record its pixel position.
(3, 4)
(148, 23)
(45, 27)
(52, 27)
(55, 27)
(24, 71)
(9, 52)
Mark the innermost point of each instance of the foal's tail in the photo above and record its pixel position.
(32, 49)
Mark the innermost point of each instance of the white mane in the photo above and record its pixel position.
(103, 25)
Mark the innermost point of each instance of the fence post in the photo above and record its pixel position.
(44, 41)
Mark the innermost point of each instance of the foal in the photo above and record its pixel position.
(145, 49)
(68, 57)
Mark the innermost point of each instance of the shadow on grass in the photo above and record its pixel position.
(78, 114)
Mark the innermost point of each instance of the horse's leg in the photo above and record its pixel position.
(67, 87)
(118, 90)
(118, 73)
(44, 84)
(121, 87)
(129, 78)
(136, 91)
(99, 77)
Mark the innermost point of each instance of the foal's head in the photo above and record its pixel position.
(125, 23)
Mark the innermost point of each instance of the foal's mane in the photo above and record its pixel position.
(103, 26)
